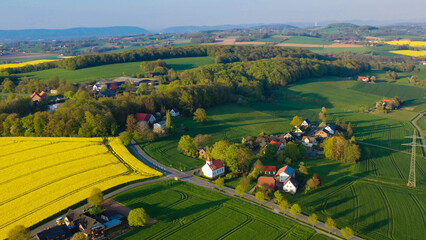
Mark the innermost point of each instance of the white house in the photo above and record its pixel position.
(285, 172)
(174, 112)
(290, 185)
(309, 141)
(306, 123)
(144, 118)
(329, 129)
(299, 131)
(213, 168)
(159, 127)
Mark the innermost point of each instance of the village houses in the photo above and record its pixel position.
(213, 168)
(145, 119)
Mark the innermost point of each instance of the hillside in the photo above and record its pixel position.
(71, 33)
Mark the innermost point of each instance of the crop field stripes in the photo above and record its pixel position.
(162, 235)
(34, 159)
(328, 195)
(238, 227)
(3, 225)
(392, 158)
(48, 167)
(257, 219)
(183, 198)
(54, 181)
(390, 231)
(285, 234)
(355, 206)
(25, 150)
(419, 205)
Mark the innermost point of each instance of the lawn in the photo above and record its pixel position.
(422, 123)
(183, 209)
(42, 176)
(366, 196)
(114, 70)
(307, 40)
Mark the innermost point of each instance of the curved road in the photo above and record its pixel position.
(171, 173)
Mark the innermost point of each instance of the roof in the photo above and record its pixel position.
(42, 94)
(386, 100)
(77, 218)
(143, 117)
(57, 232)
(269, 168)
(112, 223)
(292, 180)
(266, 182)
(278, 144)
(286, 169)
(311, 139)
(307, 121)
(216, 164)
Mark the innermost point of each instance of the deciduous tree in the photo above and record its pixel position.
(296, 121)
(200, 115)
(330, 223)
(295, 209)
(19, 232)
(138, 217)
(313, 218)
(96, 197)
(285, 205)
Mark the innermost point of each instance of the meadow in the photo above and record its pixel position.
(114, 70)
(36, 185)
(367, 195)
(183, 209)
(307, 40)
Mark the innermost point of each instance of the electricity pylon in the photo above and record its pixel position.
(413, 144)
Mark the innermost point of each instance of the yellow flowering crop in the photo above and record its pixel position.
(410, 53)
(42, 176)
(16, 65)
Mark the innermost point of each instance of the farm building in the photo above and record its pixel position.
(268, 183)
(279, 145)
(202, 153)
(309, 141)
(174, 112)
(299, 131)
(285, 172)
(160, 127)
(58, 233)
(363, 78)
(321, 134)
(89, 226)
(213, 168)
(329, 129)
(290, 136)
(270, 170)
(37, 97)
(290, 185)
(144, 118)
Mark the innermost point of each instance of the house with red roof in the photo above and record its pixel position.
(269, 170)
(145, 118)
(213, 168)
(268, 183)
(37, 97)
(284, 173)
(363, 78)
(279, 145)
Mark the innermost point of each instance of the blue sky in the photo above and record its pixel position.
(157, 14)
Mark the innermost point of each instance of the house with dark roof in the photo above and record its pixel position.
(306, 123)
(57, 233)
(309, 141)
(213, 168)
(289, 136)
(284, 173)
(268, 183)
(290, 185)
(329, 129)
(174, 112)
(145, 118)
(85, 224)
(269, 170)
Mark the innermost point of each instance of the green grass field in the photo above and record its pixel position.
(186, 211)
(307, 40)
(422, 123)
(367, 195)
(115, 70)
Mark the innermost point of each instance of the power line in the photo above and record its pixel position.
(413, 144)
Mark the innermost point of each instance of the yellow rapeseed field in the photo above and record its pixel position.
(410, 53)
(408, 42)
(15, 65)
(42, 176)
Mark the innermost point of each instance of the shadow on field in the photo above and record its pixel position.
(192, 209)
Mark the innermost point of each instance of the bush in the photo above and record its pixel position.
(330, 223)
(295, 209)
(220, 182)
(278, 197)
(347, 232)
(313, 218)
(19, 232)
(138, 217)
(125, 138)
(79, 236)
(260, 196)
(284, 205)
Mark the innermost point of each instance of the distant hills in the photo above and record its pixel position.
(190, 29)
(71, 33)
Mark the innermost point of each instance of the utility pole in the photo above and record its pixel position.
(412, 175)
